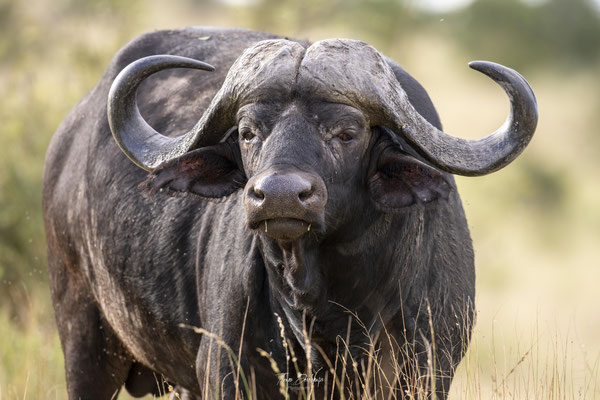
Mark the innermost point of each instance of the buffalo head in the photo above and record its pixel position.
(312, 135)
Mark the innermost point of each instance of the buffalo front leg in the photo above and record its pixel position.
(430, 350)
(96, 362)
(216, 369)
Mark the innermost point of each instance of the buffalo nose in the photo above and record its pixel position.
(285, 202)
(286, 190)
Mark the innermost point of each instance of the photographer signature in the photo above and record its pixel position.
(300, 380)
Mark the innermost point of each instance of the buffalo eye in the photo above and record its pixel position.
(345, 136)
(247, 135)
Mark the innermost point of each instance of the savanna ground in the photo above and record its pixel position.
(535, 225)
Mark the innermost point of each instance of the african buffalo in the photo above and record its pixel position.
(313, 198)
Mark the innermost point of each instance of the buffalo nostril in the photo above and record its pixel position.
(306, 194)
(257, 193)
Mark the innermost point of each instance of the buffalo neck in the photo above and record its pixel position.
(336, 288)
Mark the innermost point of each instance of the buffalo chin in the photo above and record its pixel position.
(284, 229)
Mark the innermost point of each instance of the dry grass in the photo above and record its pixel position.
(344, 376)
(506, 359)
(546, 362)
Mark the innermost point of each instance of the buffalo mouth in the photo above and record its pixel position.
(284, 229)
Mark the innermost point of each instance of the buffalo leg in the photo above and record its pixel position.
(96, 362)
(432, 349)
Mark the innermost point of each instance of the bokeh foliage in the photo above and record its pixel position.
(527, 35)
(48, 59)
(541, 213)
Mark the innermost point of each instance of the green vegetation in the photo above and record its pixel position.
(535, 225)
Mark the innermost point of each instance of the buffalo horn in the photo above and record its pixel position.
(490, 153)
(265, 69)
(139, 141)
(354, 73)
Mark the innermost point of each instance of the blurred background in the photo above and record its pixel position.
(535, 224)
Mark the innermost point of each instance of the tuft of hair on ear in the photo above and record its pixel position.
(151, 186)
(402, 181)
(210, 173)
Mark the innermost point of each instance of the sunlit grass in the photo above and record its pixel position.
(31, 360)
(507, 358)
(540, 360)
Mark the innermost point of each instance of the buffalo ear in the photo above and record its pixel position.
(209, 173)
(400, 180)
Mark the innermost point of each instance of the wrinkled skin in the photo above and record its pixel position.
(362, 225)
